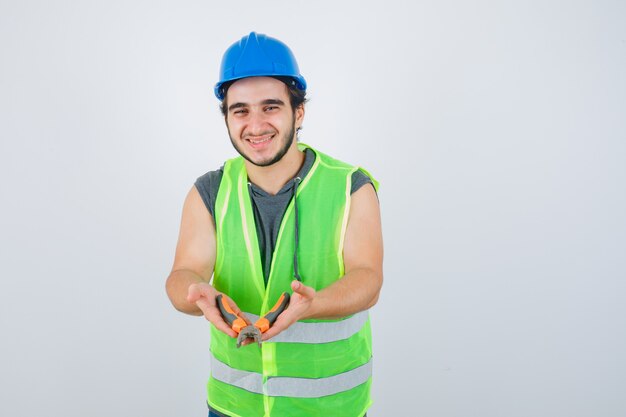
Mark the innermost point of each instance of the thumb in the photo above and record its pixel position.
(193, 293)
(303, 290)
(196, 291)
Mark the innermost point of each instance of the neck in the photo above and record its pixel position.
(273, 177)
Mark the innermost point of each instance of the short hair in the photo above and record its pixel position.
(297, 97)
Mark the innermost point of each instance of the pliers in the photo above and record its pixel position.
(254, 331)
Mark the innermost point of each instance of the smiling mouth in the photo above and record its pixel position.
(259, 141)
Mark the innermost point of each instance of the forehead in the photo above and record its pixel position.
(253, 89)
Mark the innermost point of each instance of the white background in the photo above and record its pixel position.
(497, 130)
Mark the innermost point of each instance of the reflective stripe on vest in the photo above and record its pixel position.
(290, 387)
(320, 332)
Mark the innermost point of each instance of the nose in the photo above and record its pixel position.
(257, 124)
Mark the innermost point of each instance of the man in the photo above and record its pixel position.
(281, 217)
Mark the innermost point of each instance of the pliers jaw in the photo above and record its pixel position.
(241, 326)
(249, 332)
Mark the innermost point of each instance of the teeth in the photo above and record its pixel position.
(260, 141)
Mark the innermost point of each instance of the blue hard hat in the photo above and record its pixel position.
(258, 55)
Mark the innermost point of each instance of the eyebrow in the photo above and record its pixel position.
(273, 101)
(264, 102)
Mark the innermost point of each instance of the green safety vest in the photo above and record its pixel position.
(316, 367)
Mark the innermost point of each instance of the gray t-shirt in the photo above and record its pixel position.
(268, 209)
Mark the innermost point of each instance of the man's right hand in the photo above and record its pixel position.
(203, 295)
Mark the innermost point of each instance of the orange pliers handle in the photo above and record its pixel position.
(265, 322)
(262, 325)
(234, 321)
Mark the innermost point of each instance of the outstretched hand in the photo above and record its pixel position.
(299, 306)
(203, 295)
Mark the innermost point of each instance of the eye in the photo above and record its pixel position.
(270, 108)
(240, 111)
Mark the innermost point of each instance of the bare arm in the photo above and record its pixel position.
(360, 287)
(188, 284)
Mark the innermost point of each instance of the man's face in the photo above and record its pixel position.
(260, 121)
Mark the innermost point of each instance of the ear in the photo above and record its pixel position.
(299, 116)
(223, 110)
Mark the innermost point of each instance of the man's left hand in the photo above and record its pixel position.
(299, 308)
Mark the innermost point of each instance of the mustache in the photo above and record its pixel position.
(246, 135)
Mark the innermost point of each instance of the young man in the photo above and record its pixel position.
(282, 217)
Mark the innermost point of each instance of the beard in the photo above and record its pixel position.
(288, 140)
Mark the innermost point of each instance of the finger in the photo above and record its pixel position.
(273, 331)
(284, 320)
(200, 289)
(247, 341)
(303, 290)
(245, 318)
(193, 293)
(213, 315)
(236, 309)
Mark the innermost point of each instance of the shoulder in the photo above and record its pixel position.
(208, 185)
(359, 179)
(210, 180)
(359, 176)
(329, 161)
(211, 176)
